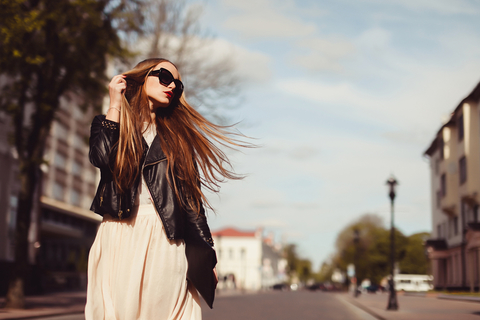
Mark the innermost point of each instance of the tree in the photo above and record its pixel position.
(173, 31)
(49, 50)
(371, 255)
(302, 268)
(325, 272)
(415, 261)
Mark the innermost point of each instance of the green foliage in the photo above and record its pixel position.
(415, 260)
(49, 48)
(371, 252)
(325, 273)
(302, 268)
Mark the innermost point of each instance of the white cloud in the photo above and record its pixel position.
(439, 6)
(415, 102)
(249, 64)
(322, 54)
(256, 19)
(445, 7)
(314, 176)
(374, 39)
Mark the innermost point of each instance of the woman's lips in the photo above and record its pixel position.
(169, 94)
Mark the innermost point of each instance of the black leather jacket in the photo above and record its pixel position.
(179, 221)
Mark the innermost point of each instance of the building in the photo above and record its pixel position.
(63, 228)
(454, 157)
(247, 260)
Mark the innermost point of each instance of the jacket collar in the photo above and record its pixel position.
(155, 153)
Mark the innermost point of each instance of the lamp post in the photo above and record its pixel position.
(392, 298)
(356, 239)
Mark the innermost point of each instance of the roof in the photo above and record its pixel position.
(232, 232)
(473, 96)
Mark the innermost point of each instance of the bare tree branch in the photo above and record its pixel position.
(173, 31)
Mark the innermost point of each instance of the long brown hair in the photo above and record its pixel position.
(190, 142)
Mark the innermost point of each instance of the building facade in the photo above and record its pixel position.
(454, 157)
(63, 228)
(247, 260)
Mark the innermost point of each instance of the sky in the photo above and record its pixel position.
(339, 95)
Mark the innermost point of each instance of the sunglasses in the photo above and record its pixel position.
(165, 77)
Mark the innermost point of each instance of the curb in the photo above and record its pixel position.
(459, 298)
(366, 309)
(40, 316)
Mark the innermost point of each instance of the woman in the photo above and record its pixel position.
(154, 236)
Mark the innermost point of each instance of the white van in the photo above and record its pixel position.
(413, 282)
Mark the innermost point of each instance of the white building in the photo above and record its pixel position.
(247, 260)
(454, 155)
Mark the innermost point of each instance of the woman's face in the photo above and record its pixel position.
(159, 95)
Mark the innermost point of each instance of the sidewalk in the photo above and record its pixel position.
(47, 305)
(417, 307)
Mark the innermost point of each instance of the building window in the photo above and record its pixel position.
(439, 231)
(443, 185)
(439, 198)
(463, 211)
(450, 227)
(79, 142)
(61, 131)
(60, 161)
(12, 222)
(441, 145)
(75, 197)
(460, 127)
(243, 252)
(463, 169)
(76, 168)
(58, 191)
(230, 253)
(475, 213)
(455, 225)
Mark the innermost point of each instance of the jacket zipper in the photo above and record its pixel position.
(120, 212)
(101, 194)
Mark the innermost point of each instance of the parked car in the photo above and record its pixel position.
(316, 286)
(373, 288)
(281, 286)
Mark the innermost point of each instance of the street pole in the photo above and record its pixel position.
(392, 298)
(356, 239)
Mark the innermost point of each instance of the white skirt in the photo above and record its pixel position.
(135, 272)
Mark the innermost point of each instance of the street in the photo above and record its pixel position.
(288, 305)
(305, 305)
(276, 305)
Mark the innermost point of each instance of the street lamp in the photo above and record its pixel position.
(392, 298)
(356, 239)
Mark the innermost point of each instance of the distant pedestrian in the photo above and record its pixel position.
(154, 152)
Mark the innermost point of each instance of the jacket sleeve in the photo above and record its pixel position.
(103, 138)
(197, 223)
(201, 257)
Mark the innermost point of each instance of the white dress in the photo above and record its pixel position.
(135, 272)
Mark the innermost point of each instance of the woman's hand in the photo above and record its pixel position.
(216, 276)
(116, 88)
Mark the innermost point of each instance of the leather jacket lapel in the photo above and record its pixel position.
(155, 153)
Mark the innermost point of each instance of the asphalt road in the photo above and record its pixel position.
(273, 305)
(288, 305)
